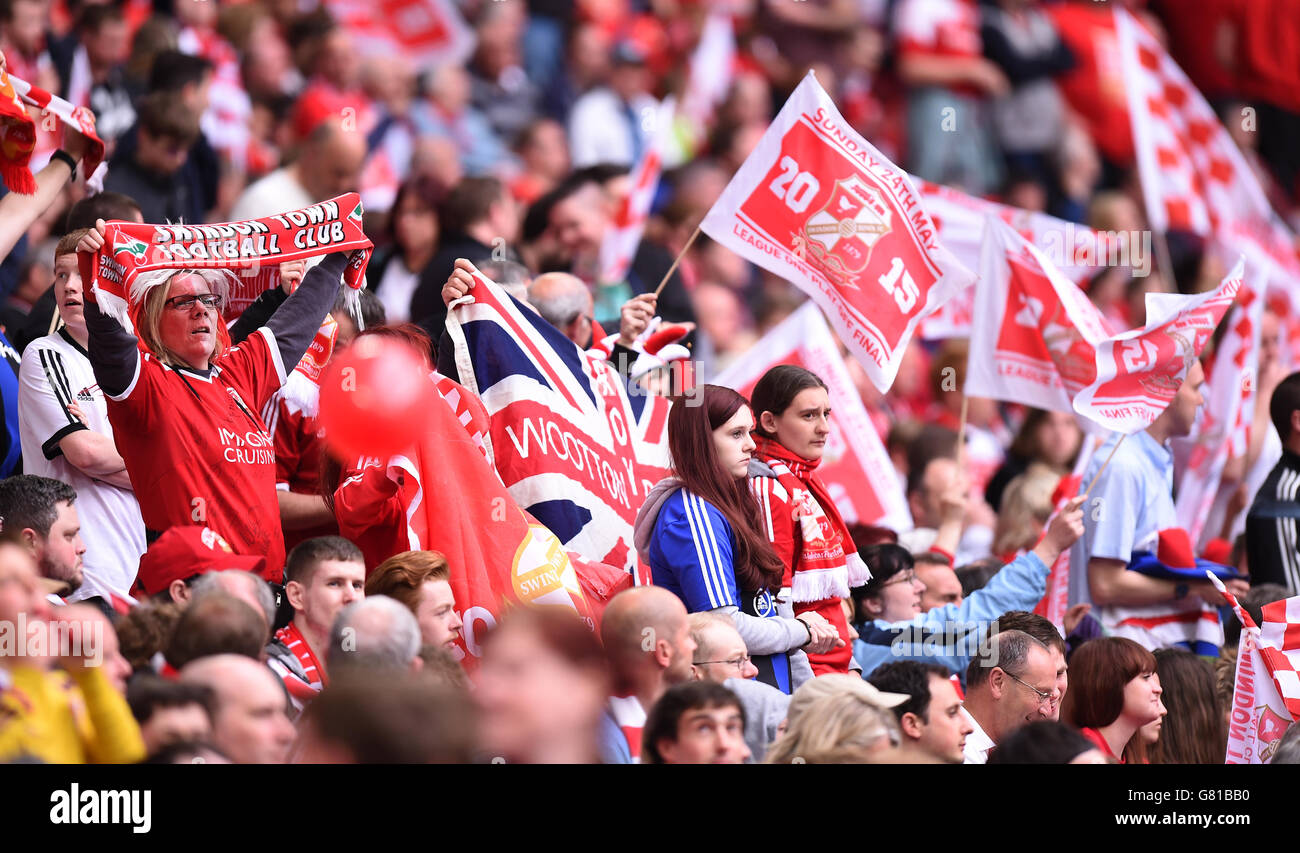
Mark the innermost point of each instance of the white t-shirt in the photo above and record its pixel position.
(275, 193)
(56, 372)
(395, 289)
(978, 743)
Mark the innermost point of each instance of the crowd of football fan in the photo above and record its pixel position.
(197, 647)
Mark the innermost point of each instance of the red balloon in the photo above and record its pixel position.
(373, 398)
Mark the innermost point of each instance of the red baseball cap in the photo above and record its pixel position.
(184, 551)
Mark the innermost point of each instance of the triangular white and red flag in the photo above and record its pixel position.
(1193, 175)
(1266, 685)
(856, 467)
(818, 205)
(1035, 333)
(1076, 250)
(1224, 426)
(622, 238)
(1038, 341)
(1140, 371)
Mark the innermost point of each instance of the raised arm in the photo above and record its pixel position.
(18, 212)
(296, 322)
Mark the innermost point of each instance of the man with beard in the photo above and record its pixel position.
(39, 514)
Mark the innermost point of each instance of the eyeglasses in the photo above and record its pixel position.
(738, 663)
(903, 577)
(1043, 698)
(184, 303)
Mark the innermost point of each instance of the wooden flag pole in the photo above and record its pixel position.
(680, 255)
(1097, 476)
(961, 434)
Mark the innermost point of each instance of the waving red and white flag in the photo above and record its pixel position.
(856, 468)
(1224, 427)
(1266, 686)
(1075, 249)
(427, 32)
(621, 240)
(1035, 334)
(1193, 175)
(712, 67)
(1038, 341)
(1139, 371)
(818, 205)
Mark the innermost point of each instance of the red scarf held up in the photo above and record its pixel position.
(18, 131)
(826, 563)
(130, 249)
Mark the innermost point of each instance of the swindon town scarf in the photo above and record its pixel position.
(826, 562)
(116, 274)
(18, 131)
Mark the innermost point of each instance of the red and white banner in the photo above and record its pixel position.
(1193, 175)
(457, 506)
(1139, 371)
(1075, 249)
(818, 205)
(1035, 333)
(1038, 341)
(712, 67)
(622, 238)
(1224, 426)
(1266, 686)
(856, 468)
(426, 32)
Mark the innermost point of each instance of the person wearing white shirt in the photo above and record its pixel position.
(612, 124)
(1011, 682)
(66, 436)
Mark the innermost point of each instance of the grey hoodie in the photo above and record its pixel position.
(762, 636)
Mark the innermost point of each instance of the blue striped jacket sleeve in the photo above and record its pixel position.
(695, 541)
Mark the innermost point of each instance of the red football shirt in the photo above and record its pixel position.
(197, 451)
(297, 460)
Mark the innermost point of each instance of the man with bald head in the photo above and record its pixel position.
(249, 721)
(237, 583)
(647, 637)
(328, 165)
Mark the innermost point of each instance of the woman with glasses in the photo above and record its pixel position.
(892, 626)
(821, 562)
(1114, 692)
(185, 404)
(701, 535)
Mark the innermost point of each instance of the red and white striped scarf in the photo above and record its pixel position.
(297, 643)
(826, 562)
(630, 717)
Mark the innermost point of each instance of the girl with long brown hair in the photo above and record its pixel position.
(701, 535)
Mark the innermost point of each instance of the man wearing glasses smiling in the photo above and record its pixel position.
(1011, 682)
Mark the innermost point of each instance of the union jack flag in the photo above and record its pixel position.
(575, 446)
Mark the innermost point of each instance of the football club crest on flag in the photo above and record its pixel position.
(816, 204)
